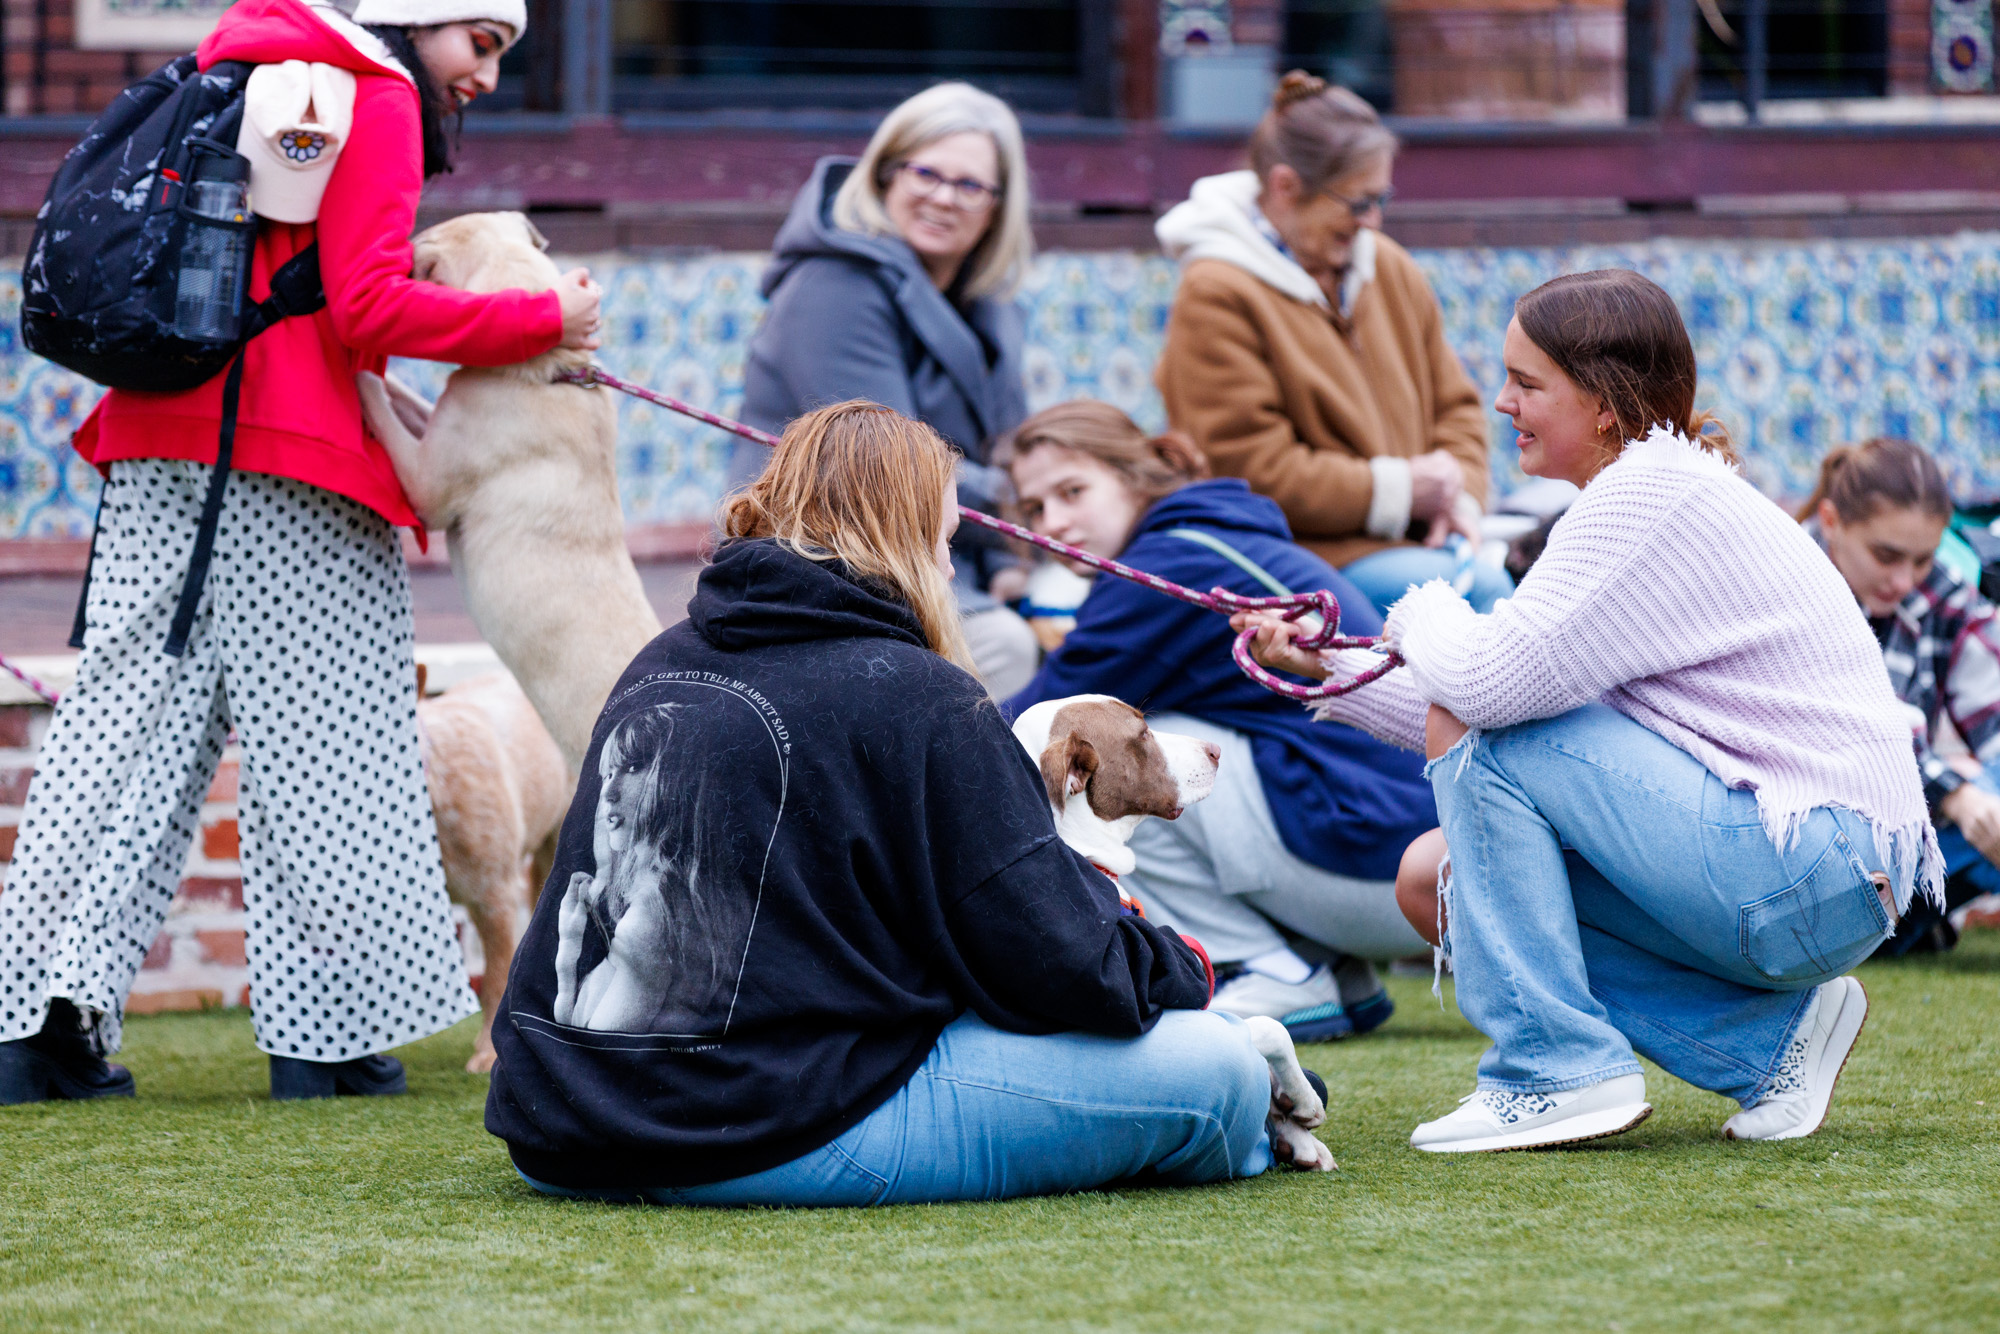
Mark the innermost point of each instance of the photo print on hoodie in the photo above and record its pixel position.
(652, 939)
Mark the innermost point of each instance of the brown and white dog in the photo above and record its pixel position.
(1105, 770)
(520, 471)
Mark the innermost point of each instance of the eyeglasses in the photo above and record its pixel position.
(1365, 204)
(974, 196)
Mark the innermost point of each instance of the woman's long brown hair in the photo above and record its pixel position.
(1883, 473)
(1619, 336)
(864, 485)
(1152, 466)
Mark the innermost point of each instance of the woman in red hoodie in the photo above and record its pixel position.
(302, 639)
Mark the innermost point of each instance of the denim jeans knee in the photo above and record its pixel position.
(1457, 756)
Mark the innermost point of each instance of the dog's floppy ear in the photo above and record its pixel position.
(1067, 766)
(423, 262)
(535, 234)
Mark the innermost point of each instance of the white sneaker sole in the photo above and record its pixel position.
(1570, 1130)
(1847, 1026)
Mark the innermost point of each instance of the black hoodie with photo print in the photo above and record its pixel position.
(802, 845)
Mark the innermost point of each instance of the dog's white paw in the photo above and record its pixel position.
(1290, 1093)
(1294, 1144)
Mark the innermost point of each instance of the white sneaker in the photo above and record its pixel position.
(1795, 1103)
(1490, 1121)
(1309, 1010)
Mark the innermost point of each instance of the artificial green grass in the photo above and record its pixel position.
(201, 1205)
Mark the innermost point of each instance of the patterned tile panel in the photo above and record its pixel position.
(1802, 346)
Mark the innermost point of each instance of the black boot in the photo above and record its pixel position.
(362, 1077)
(59, 1062)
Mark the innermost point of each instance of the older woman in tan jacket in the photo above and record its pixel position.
(1306, 354)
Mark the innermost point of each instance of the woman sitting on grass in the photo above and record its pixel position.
(1880, 510)
(1307, 822)
(848, 962)
(1677, 788)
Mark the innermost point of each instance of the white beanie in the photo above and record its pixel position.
(429, 13)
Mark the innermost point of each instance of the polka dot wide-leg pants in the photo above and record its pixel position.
(303, 642)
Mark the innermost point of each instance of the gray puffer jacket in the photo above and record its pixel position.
(857, 316)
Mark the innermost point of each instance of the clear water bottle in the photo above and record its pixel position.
(215, 255)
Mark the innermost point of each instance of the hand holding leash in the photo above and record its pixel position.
(1268, 631)
(1274, 641)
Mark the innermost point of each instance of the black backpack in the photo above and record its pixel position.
(100, 279)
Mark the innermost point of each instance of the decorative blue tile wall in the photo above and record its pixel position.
(1801, 347)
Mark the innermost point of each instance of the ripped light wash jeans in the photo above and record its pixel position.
(1609, 895)
(992, 1115)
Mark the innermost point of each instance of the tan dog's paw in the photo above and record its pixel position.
(412, 409)
(378, 409)
(1294, 1144)
(382, 409)
(1291, 1094)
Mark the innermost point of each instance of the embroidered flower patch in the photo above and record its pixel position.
(301, 145)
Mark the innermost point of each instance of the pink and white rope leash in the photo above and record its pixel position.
(1321, 603)
(41, 688)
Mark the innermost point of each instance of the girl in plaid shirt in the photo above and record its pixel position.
(1880, 510)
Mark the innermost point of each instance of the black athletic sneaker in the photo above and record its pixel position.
(363, 1077)
(1361, 993)
(59, 1062)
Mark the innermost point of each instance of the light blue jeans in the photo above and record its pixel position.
(1609, 895)
(1959, 854)
(1390, 573)
(992, 1115)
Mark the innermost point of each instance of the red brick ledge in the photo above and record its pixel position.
(43, 555)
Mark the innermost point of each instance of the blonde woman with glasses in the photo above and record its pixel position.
(892, 280)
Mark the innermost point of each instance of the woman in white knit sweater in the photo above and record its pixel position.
(1677, 788)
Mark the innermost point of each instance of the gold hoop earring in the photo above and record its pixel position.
(1602, 427)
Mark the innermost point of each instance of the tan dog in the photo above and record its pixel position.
(499, 788)
(1105, 770)
(520, 471)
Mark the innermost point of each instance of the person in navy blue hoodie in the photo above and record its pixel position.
(1298, 846)
(811, 938)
